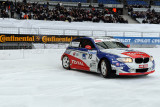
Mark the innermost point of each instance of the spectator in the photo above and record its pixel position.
(29, 16)
(25, 16)
(79, 5)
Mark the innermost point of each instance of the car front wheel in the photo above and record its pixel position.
(105, 69)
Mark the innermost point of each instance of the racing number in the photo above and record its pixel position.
(90, 56)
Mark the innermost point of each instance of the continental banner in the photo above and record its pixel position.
(36, 38)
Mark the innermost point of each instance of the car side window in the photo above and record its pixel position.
(75, 43)
(85, 42)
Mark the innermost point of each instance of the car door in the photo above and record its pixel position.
(89, 56)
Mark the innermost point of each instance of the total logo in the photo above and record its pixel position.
(77, 63)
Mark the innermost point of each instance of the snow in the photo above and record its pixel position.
(35, 78)
(14, 26)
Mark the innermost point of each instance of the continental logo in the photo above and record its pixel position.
(46, 39)
(12, 38)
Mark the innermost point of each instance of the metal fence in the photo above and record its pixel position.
(76, 32)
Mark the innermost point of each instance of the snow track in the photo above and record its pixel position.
(35, 78)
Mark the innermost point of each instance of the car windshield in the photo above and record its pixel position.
(110, 45)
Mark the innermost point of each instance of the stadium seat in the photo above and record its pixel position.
(157, 3)
(108, 1)
(132, 2)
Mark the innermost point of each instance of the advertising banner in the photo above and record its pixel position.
(36, 38)
(139, 40)
(4, 38)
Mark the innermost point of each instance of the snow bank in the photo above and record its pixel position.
(57, 27)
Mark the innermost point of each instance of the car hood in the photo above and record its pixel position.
(124, 52)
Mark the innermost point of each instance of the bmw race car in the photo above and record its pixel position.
(107, 56)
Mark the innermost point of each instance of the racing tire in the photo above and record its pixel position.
(105, 69)
(65, 62)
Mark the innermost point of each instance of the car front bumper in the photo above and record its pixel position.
(134, 69)
(145, 73)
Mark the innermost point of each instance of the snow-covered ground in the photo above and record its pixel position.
(35, 78)
(13, 26)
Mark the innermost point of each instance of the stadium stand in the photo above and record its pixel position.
(44, 11)
(106, 11)
(145, 15)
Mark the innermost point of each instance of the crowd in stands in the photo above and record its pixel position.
(59, 13)
(130, 7)
(149, 16)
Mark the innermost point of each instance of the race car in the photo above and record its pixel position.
(107, 56)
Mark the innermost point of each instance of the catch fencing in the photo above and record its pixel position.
(146, 39)
(76, 32)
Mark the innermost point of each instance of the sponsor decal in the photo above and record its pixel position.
(139, 40)
(92, 52)
(74, 53)
(127, 50)
(93, 61)
(93, 64)
(67, 52)
(77, 54)
(12, 38)
(119, 68)
(121, 64)
(90, 56)
(77, 62)
(114, 61)
(84, 56)
(117, 64)
(36, 38)
(136, 54)
(143, 66)
(97, 40)
(46, 39)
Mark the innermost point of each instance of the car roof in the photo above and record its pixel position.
(106, 38)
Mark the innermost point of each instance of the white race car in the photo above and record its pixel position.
(107, 56)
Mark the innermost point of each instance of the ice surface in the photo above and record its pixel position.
(35, 78)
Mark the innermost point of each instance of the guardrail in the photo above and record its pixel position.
(48, 31)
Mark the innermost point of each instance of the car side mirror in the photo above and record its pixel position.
(88, 47)
(128, 45)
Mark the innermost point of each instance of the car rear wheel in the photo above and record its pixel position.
(105, 69)
(66, 62)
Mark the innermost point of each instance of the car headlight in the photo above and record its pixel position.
(151, 58)
(125, 60)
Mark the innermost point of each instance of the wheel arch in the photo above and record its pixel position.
(103, 58)
(64, 55)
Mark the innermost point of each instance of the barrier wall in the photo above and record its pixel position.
(17, 41)
(140, 42)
